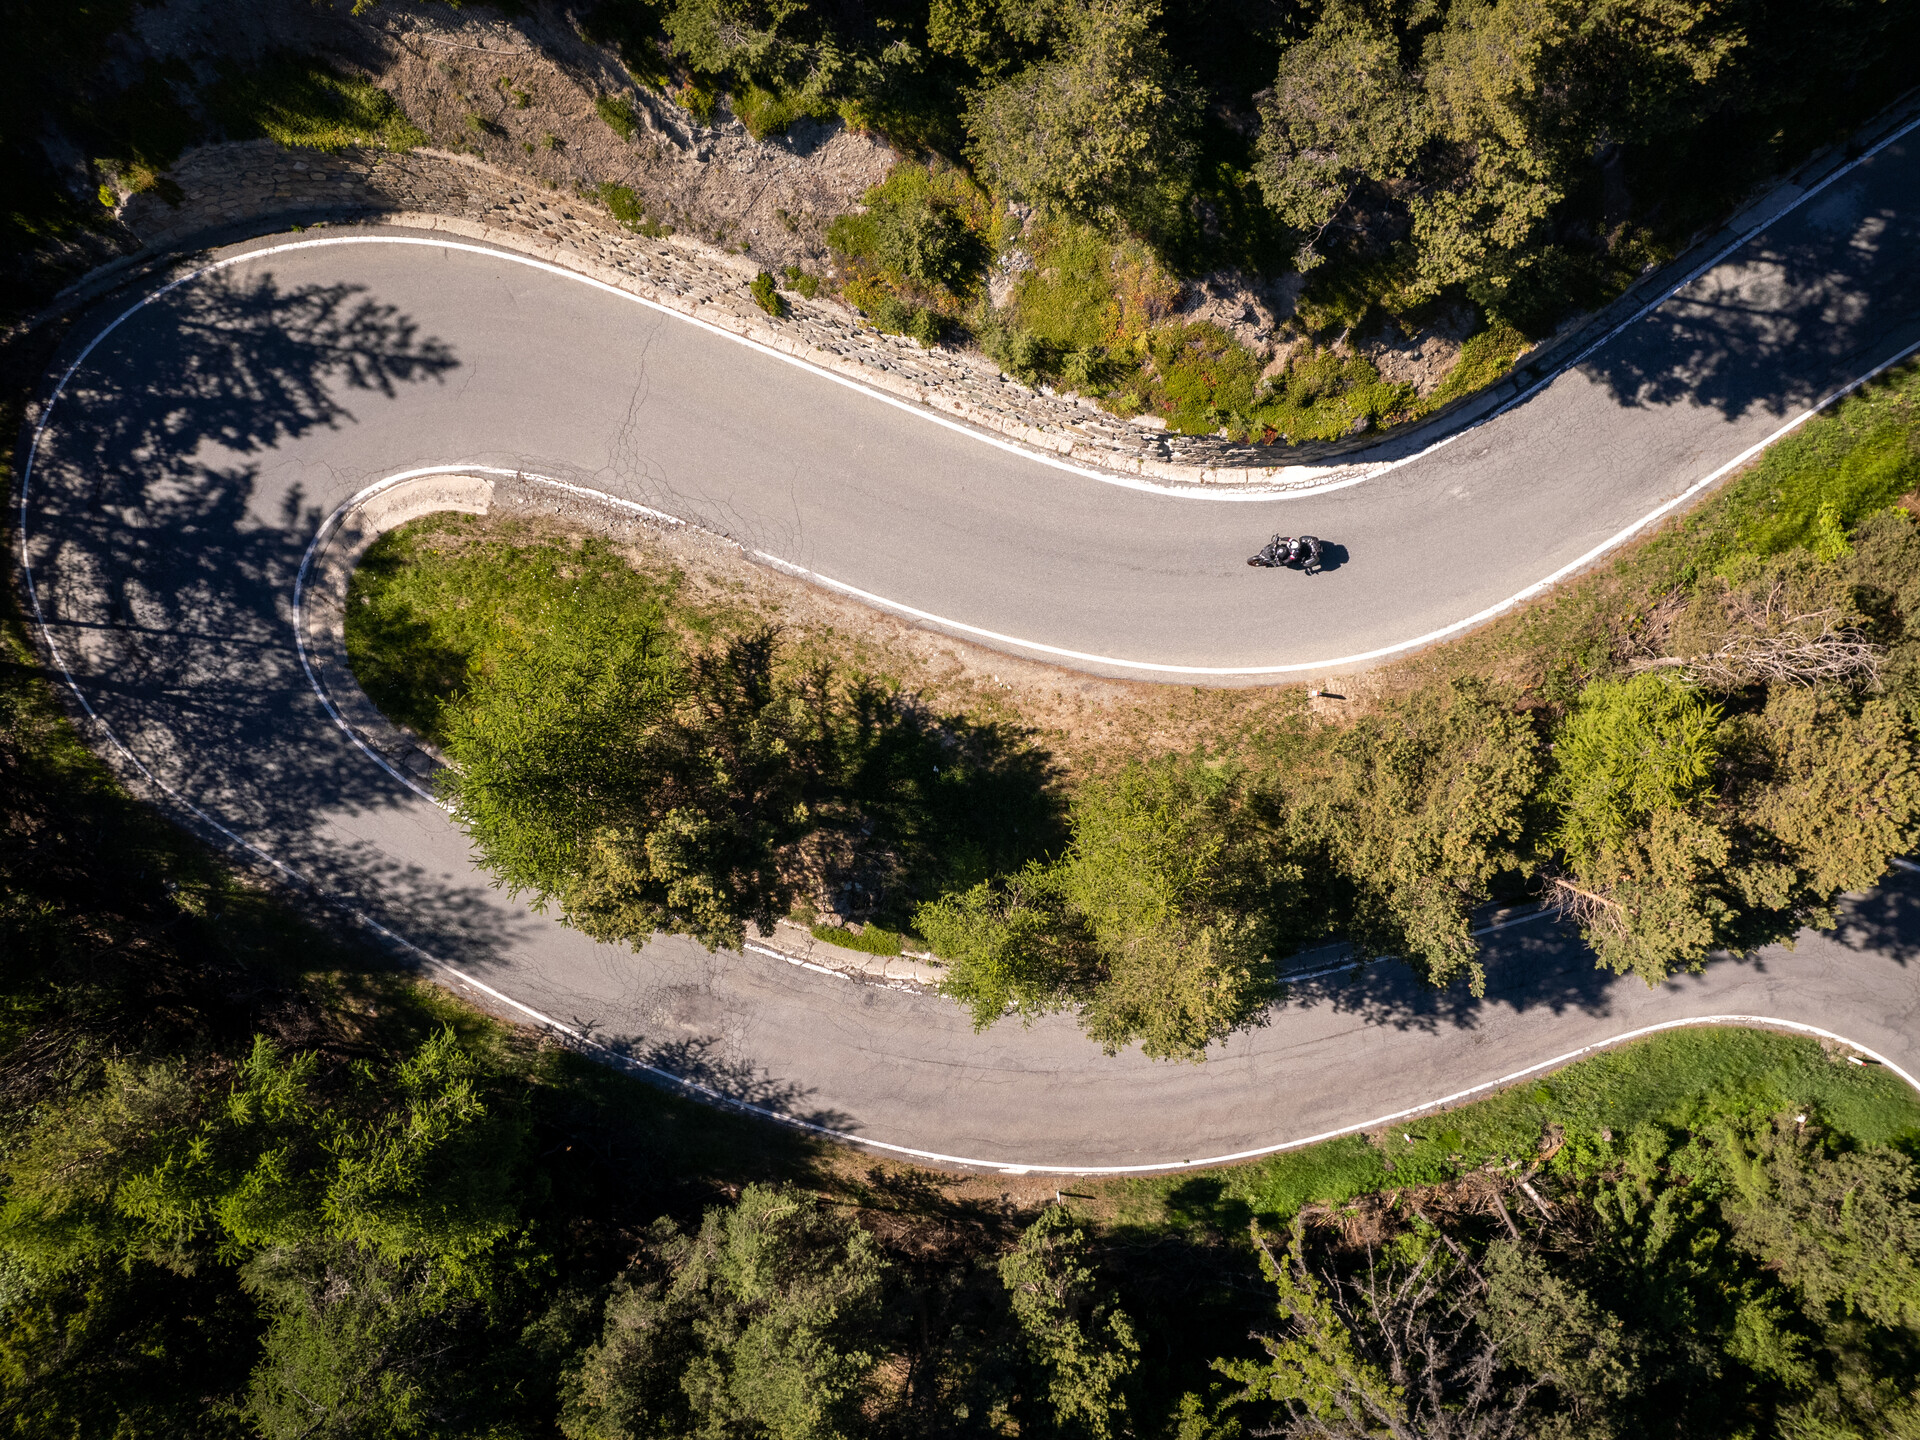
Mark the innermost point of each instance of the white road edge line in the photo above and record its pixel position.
(793, 960)
(1107, 477)
(1546, 912)
(707, 1092)
(1034, 646)
(1338, 662)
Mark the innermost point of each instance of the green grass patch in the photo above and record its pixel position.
(426, 613)
(1484, 358)
(766, 294)
(625, 207)
(869, 940)
(801, 283)
(1682, 1080)
(769, 111)
(618, 114)
(305, 104)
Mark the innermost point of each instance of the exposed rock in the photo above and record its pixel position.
(1421, 360)
(1004, 275)
(1248, 307)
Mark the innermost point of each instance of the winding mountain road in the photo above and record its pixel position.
(198, 441)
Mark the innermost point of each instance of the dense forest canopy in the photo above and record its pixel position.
(1527, 153)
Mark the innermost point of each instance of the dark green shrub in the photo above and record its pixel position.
(1020, 353)
(767, 296)
(617, 113)
(625, 207)
(897, 317)
(801, 283)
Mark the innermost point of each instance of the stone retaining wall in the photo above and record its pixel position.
(229, 188)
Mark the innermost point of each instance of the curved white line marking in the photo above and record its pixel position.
(707, 1092)
(1539, 587)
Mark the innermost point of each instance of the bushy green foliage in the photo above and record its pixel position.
(1842, 1227)
(618, 114)
(1157, 922)
(868, 940)
(620, 764)
(625, 207)
(762, 1322)
(1427, 803)
(1630, 749)
(1666, 867)
(1341, 111)
(411, 1167)
(913, 258)
(1079, 1343)
(1079, 132)
(639, 795)
(304, 103)
(766, 294)
(357, 1219)
(1011, 945)
(1628, 1309)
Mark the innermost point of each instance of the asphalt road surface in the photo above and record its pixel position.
(197, 447)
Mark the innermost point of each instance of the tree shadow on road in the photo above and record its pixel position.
(1820, 297)
(163, 559)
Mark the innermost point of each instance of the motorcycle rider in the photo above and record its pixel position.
(1287, 550)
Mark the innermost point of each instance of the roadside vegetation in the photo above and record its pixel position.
(253, 1181)
(131, 132)
(1692, 750)
(1401, 161)
(1094, 193)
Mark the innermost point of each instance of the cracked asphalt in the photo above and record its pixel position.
(197, 448)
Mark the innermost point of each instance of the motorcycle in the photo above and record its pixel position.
(1284, 552)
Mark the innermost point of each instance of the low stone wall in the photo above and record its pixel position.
(414, 762)
(232, 188)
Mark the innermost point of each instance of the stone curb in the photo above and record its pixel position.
(233, 189)
(797, 944)
(414, 761)
(1048, 444)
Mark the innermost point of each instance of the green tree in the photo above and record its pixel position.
(1684, 832)
(1079, 1343)
(991, 36)
(1080, 133)
(1632, 787)
(1427, 802)
(1343, 111)
(759, 1325)
(1012, 945)
(1840, 1226)
(1159, 922)
(364, 1221)
(1840, 796)
(1177, 879)
(640, 795)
